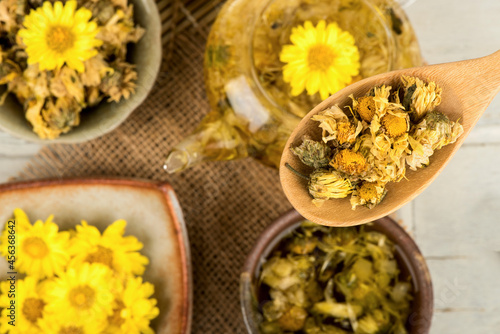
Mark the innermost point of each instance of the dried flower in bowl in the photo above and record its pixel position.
(372, 142)
(334, 280)
(58, 59)
(78, 281)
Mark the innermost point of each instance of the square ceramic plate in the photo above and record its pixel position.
(153, 215)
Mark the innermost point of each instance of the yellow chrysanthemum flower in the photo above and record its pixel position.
(55, 35)
(111, 248)
(84, 291)
(133, 309)
(41, 249)
(320, 59)
(30, 300)
(58, 324)
(22, 222)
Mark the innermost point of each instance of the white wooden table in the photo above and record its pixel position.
(456, 221)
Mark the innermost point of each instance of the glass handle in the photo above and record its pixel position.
(406, 3)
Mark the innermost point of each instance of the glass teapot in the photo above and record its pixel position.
(253, 112)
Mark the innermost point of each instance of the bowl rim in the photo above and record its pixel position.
(420, 319)
(174, 210)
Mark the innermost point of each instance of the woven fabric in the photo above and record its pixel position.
(226, 204)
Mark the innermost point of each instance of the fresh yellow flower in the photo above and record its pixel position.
(30, 300)
(133, 309)
(58, 34)
(41, 248)
(320, 59)
(84, 291)
(22, 222)
(111, 248)
(57, 324)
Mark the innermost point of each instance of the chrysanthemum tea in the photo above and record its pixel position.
(368, 144)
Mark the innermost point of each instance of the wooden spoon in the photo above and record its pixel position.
(468, 88)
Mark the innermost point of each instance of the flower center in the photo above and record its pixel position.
(102, 255)
(320, 57)
(368, 191)
(33, 308)
(60, 38)
(349, 162)
(71, 330)
(82, 297)
(366, 108)
(395, 126)
(35, 247)
(116, 319)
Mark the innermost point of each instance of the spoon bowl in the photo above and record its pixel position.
(468, 88)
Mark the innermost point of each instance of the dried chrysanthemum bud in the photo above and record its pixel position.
(119, 82)
(337, 127)
(293, 319)
(312, 153)
(349, 162)
(368, 194)
(394, 126)
(446, 130)
(365, 107)
(324, 184)
(432, 133)
(420, 97)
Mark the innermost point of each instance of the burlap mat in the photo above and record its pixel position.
(226, 204)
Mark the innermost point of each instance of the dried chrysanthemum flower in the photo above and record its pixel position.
(446, 130)
(95, 69)
(55, 117)
(120, 82)
(372, 152)
(368, 194)
(325, 184)
(420, 97)
(432, 133)
(312, 153)
(365, 107)
(66, 83)
(393, 125)
(337, 127)
(349, 162)
(118, 31)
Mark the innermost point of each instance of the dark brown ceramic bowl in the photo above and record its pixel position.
(408, 256)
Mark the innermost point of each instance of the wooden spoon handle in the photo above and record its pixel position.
(475, 82)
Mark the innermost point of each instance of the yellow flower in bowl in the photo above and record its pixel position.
(30, 303)
(41, 250)
(82, 291)
(55, 323)
(57, 34)
(134, 308)
(119, 253)
(321, 59)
